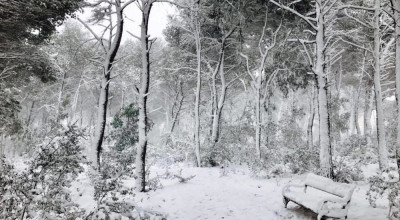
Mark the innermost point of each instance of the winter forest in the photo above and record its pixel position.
(200, 109)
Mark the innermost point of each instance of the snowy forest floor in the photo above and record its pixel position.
(235, 195)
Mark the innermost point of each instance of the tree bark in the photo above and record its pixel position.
(396, 13)
(310, 139)
(28, 121)
(369, 101)
(325, 154)
(198, 88)
(258, 116)
(381, 136)
(357, 100)
(143, 93)
(60, 96)
(317, 64)
(110, 52)
(178, 103)
(219, 104)
(101, 118)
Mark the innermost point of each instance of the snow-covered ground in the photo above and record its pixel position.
(235, 195)
(238, 196)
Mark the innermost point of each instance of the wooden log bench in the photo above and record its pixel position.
(323, 196)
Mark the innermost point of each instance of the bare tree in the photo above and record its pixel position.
(318, 61)
(218, 98)
(396, 16)
(260, 79)
(110, 45)
(378, 58)
(194, 29)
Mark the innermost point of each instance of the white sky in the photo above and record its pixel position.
(158, 20)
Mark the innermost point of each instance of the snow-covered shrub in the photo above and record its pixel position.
(8, 197)
(349, 159)
(114, 199)
(233, 145)
(382, 185)
(302, 159)
(9, 108)
(347, 173)
(216, 155)
(110, 193)
(42, 190)
(117, 165)
(390, 110)
(293, 148)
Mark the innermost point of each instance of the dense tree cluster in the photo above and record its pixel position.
(281, 86)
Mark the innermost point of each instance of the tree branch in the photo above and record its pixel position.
(309, 20)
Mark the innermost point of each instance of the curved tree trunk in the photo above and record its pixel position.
(101, 118)
(110, 51)
(219, 104)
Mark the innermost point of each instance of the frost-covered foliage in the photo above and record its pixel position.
(42, 189)
(339, 121)
(114, 199)
(297, 154)
(110, 195)
(9, 108)
(380, 187)
(125, 128)
(234, 142)
(110, 192)
(350, 155)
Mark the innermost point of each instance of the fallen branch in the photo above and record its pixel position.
(183, 179)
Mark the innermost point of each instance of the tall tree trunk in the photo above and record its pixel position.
(28, 121)
(60, 96)
(396, 12)
(212, 104)
(110, 52)
(356, 115)
(352, 122)
(143, 93)
(75, 100)
(382, 150)
(310, 125)
(219, 105)
(81, 115)
(267, 117)
(122, 99)
(259, 79)
(357, 102)
(198, 89)
(325, 155)
(179, 101)
(101, 118)
(258, 117)
(369, 101)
